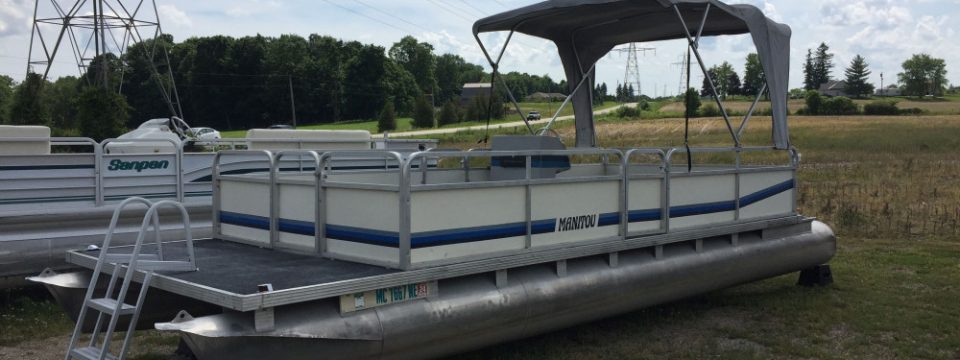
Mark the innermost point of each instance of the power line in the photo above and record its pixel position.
(364, 15)
(391, 15)
(443, 6)
(483, 13)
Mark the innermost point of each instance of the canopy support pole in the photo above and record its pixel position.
(693, 44)
(753, 107)
(566, 101)
(495, 65)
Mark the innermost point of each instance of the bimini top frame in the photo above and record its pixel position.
(586, 30)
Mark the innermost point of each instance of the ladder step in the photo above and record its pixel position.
(107, 306)
(89, 353)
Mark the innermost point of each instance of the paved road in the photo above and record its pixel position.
(493, 126)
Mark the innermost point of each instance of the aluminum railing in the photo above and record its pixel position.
(623, 170)
(176, 150)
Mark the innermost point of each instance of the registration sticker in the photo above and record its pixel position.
(386, 296)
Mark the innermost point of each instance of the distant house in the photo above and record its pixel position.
(833, 88)
(891, 90)
(472, 90)
(542, 96)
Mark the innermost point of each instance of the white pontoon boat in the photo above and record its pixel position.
(488, 246)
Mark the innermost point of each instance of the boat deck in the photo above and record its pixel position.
(230, 272)
(239, 268)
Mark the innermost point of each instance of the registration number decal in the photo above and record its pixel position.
(385, 296)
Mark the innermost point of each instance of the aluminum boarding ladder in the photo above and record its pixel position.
(109, 307)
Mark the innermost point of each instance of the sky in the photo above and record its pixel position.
(885, 32)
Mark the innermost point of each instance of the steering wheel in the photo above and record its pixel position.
(548, 132)
(179, 127)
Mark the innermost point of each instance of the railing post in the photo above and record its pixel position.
(625, 193)
(215, 184)
(404, 185)
(667, 174)
(98, 174)
(528, 202)
(179, 175)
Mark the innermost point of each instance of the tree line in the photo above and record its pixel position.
(728, 83)
(239, 83)
(922, 74)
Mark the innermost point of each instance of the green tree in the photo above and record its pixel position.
(364, 92)
(6, 97)
(101, 113)
(60, 99)
(401, 85)
(809, 82)
(923, 75)
(448, 114)
(388, 118)
(753, 76)
(691, 103)
(822, 65)
(422, 113)
(452, 72)
(723, 77)
(27, 107)
(814, 102)
(417, 57)
(733, 84)
(140, 81)
(857, 75)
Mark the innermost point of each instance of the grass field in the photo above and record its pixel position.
(946, 106)
(890, 188)
(406, 124)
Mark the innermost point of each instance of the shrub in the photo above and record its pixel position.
(628, 111)
(911, 111)
(839, 105)
(692, 102)
(881, 107)
(422, 113)
(709, 110)
(643, 105)
(814, 101)
(448, 114)
(388, 118)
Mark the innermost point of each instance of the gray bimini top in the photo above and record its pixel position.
(586, 30)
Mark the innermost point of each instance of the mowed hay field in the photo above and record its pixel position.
(931, 107)
(890, 188)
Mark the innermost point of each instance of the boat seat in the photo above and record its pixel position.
(513, 167)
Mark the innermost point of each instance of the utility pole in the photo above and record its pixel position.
(293, 107)
(881, 85)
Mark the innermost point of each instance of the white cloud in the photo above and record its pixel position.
(252, 7)
(14, 17)
(171, 15)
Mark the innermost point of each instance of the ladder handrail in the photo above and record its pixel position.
(99, 267)
(150, 220)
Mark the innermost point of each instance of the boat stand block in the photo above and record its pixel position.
(817, 275)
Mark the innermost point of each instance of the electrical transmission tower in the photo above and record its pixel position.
(631, 75)
(682, 64)
(97, 33)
